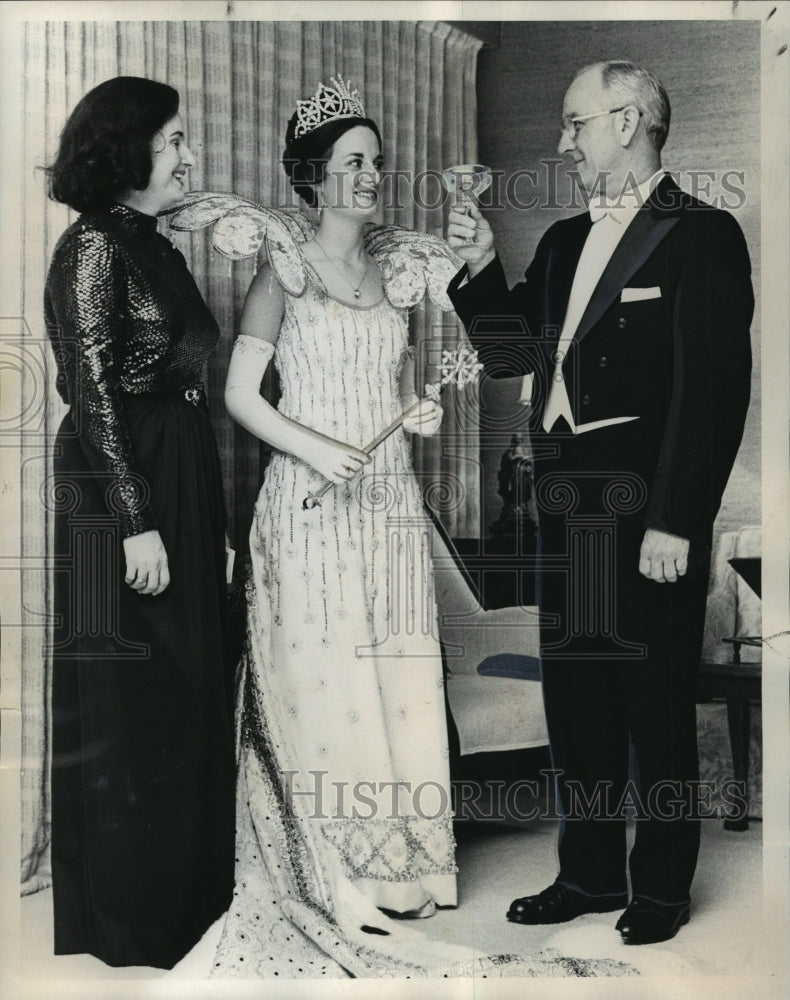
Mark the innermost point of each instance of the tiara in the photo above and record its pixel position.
(329, 104)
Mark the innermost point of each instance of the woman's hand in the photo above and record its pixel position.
(469, 235)
(336, 461)
(425, 419)
(146, 563)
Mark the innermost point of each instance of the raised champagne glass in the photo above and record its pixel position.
(470, 179)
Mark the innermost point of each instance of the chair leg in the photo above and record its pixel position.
(739, 723)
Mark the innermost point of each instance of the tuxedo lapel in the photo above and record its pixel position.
(645, 233)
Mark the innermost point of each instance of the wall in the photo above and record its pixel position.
(711, 70)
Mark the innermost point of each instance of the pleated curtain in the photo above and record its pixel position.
(238, 82)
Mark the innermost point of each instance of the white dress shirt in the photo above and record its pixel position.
(610, 221)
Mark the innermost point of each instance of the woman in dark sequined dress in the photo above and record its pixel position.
(142, 768)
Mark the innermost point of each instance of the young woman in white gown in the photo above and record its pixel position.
(344, 785)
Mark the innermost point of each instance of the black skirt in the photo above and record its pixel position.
(143, 751)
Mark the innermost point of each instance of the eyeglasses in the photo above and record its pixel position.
(572, 125)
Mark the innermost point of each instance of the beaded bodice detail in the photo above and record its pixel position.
(339, 366)
(339, 369)
(125, 317)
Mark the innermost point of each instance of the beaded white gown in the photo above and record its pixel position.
(344, 770)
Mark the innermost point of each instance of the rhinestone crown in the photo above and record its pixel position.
(329, 104)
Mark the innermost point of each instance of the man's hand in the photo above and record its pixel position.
(663, 557)
(470, 236)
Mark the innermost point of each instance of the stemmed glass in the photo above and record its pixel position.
(467, 178)
(470, 179)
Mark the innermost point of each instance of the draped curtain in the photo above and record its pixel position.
(238, 82)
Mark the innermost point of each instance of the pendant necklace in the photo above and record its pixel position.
(358, 290)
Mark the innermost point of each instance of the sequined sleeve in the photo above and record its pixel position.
(85, 301)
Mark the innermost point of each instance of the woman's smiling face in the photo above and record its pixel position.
(170, 160)
(352, 177)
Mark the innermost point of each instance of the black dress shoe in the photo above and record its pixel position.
(646, 922)
(559, 903)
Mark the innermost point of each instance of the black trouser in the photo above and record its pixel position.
(620, 655)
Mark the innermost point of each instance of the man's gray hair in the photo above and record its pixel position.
(631, 84)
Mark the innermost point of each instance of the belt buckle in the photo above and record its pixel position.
(192, 395)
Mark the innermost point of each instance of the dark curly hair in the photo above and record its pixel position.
(305, 158)
(105, 146)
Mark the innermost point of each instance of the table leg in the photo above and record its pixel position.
(739, 723)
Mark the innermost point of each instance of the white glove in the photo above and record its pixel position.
(425, 420)
(335, 460)
(427, 417)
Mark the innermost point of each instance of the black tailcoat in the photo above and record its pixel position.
(665, 339)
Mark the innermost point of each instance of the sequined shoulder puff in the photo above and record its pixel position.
(413, 264)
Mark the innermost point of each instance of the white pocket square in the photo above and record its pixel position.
(640, 294)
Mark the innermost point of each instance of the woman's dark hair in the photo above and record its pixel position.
(305, 158)
(105, 146)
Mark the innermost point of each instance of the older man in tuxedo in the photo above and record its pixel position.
(632, 324)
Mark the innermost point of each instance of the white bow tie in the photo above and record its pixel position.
(616, 212)
(628, 204)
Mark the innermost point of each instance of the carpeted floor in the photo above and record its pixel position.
(498, 862)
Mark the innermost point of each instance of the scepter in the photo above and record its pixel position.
(459, 367)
